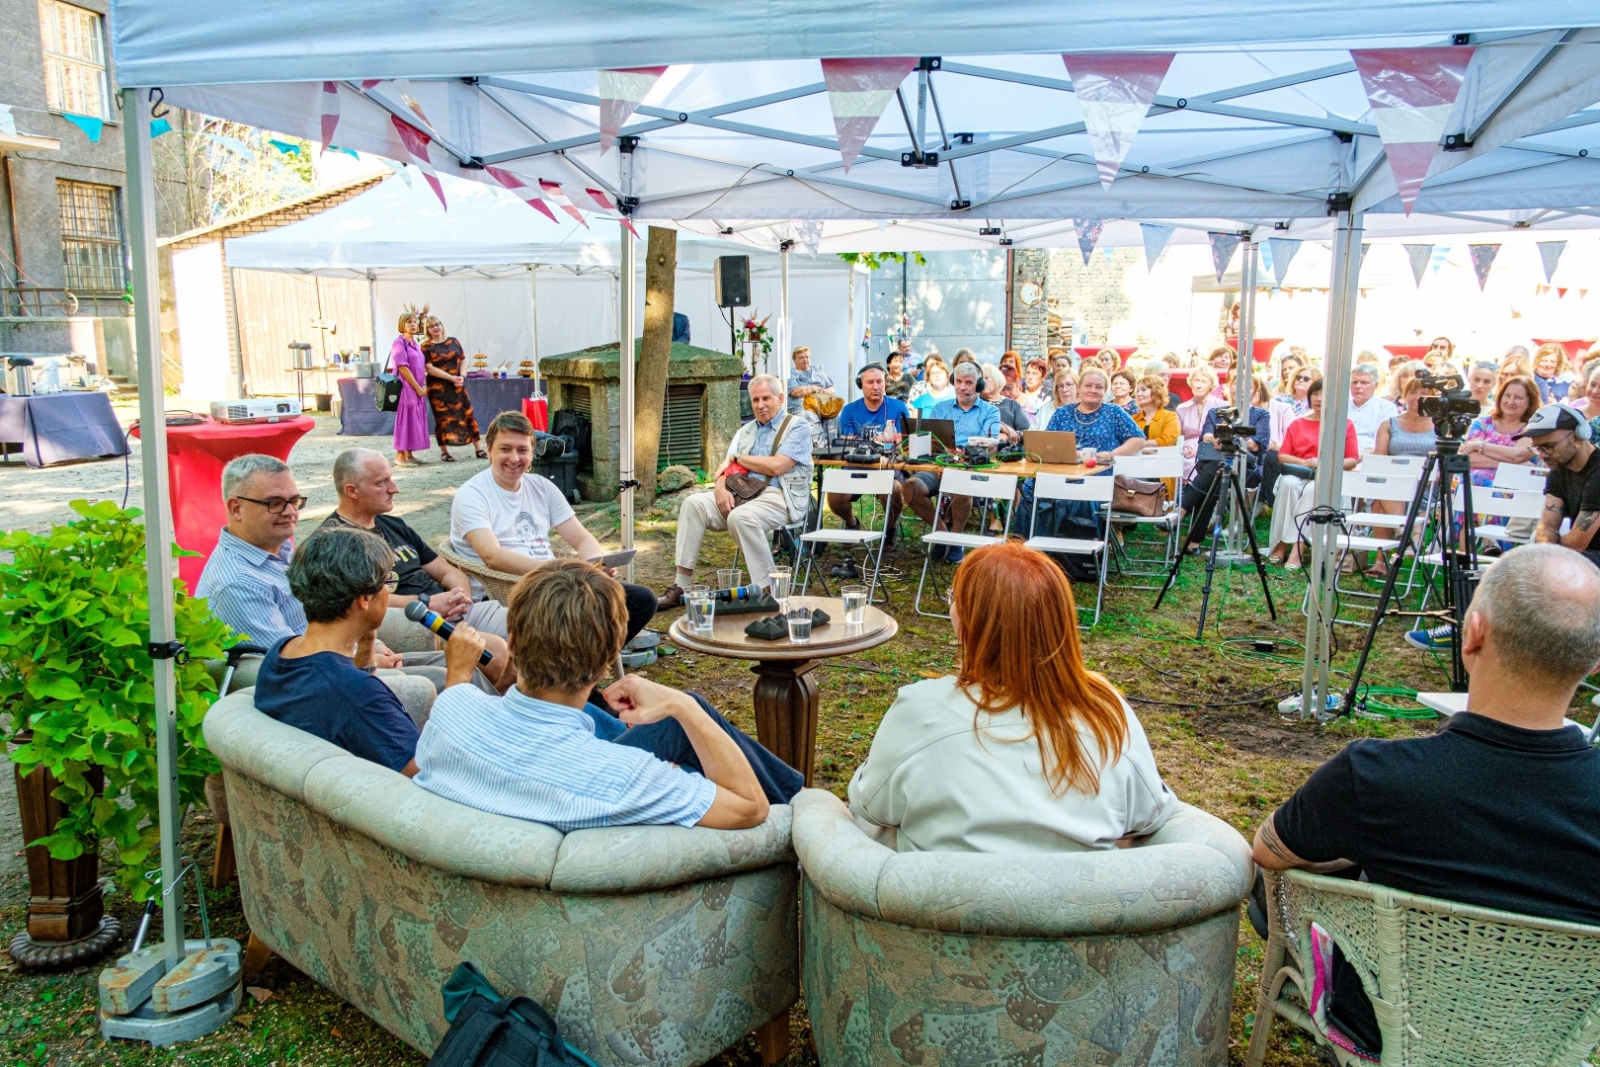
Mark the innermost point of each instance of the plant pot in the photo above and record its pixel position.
(67, 924)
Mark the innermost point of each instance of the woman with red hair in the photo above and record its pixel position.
(1026, 749)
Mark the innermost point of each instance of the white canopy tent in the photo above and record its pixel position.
(1261, 119)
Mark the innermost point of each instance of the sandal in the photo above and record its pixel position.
(481, 454)
(448, 458)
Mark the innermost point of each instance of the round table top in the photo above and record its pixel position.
(728, 638)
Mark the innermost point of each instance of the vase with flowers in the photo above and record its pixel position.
(757, 338)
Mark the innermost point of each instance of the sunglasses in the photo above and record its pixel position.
(1305, 378)
(276, 504)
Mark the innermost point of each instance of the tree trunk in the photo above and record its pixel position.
(655, 350)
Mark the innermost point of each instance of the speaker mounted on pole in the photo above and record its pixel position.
(732, 280)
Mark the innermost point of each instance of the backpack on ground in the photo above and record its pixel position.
(488, 1030)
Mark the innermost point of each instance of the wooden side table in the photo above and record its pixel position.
(786, 693)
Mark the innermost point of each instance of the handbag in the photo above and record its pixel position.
(386, 388)
(824, 405)
(744, 486)
(1135, 496)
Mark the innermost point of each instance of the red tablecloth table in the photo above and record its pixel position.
(1261, 348)
(1085, 351)
(195, 457)
(1408, 351)
(1573, 345)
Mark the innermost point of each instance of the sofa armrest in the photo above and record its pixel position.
(633, 859)
(841, 861)
(261, 748)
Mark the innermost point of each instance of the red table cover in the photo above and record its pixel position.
(195, 457)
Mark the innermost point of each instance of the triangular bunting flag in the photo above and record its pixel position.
(1419, 254)
(597, 201)
(159, 127)
(416, 144)
(1440, 254)
(1222, 247)
(858, 91)
(1550, 255)
(330, 112)
(1114, 91)
(1155, 237)
(1088, 231)
(1560, 292)
(1366, 246)
(1482, 259)
(90, 125)
(527, 193)
(559, 198)
(367, 83)
(808, 232)
(1283, 251)
(285, 148)
(1411, 91)
(1263, 260)
(400, 169)
(620, 92)
(1582, 293)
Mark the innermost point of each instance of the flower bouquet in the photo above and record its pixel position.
(757, 335)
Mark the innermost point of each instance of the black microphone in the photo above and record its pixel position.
(418, 612)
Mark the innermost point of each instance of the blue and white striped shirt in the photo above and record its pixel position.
(530, 759)
(248, 588)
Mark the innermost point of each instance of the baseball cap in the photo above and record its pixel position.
(1553, 417)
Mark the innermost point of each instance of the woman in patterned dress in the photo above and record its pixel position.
(411, 416)
(453, 421)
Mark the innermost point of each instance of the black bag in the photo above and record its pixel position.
(387, 391)
(487, 1030)
(576, 428)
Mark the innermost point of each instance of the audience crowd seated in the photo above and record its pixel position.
(1296, 481)
(503, 516)
(1025, 749)
(879, 417)
(1509, 779)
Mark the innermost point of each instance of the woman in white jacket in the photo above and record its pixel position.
(1026, 749)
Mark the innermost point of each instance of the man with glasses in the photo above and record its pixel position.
(1561, 438)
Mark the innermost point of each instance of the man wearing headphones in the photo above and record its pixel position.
(1560, 437)
(878, 416)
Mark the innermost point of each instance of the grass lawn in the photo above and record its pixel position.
(1209, 707)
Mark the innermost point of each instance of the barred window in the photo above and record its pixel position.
(74, 59)
(91, 236)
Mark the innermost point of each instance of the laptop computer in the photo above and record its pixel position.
(1051, 446)
(943, 430)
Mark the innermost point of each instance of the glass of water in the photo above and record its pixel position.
(730, 578)
(702, 609)
(855, 604)
(782, 578)
(800, 626)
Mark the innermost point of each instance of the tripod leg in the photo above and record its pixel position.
(1209, 498)
(1255, 549)
(1214, 490)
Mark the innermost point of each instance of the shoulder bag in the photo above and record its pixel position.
(1135, 496)
(387, 387)
(744, 486)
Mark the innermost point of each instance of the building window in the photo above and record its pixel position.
(91, 236)
(74, 60)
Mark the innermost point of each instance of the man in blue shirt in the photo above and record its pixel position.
(539, 753)
(879, 417)
(322, 682)
(973, 417)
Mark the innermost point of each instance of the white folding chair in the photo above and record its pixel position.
(1406, 466)
(1392, 470)
(877, 484)
(1363, 486)
(1161, 450)
(1095, 491)
(1520, 476)
(977, 485)
(1507, 503)
(1150, 468)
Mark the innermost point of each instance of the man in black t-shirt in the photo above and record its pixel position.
(1501, 807)
(1561, 438)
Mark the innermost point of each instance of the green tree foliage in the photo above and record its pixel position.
(75, 672)
(874, 260)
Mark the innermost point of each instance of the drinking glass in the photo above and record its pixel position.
(730, 578)
(800, 626)
(855, 604)
(781, 578)
(702, 609)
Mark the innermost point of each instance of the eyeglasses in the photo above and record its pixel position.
(276, 504)
(1305, 378)
(1547, 446)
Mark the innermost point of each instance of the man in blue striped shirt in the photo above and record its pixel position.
(539, 754)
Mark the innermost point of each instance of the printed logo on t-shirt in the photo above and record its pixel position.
(530, 535)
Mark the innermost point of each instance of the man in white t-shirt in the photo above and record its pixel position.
(1368, 411)
(503, 516)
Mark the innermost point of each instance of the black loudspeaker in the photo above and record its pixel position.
(733, 281)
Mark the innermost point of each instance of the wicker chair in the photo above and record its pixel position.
(1452, 985)
(495, 583)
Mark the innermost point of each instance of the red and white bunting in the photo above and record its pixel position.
(858, 91)
(1412, 91)
(557, 196)
(416, 143)
(367, 83)
(603, 205)
(330, 112)
(1114, 91)
(527, 193)
(621, 91)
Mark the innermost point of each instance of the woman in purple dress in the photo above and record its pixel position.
(411, 417)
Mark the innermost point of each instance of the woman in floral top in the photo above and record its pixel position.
(1489, 440)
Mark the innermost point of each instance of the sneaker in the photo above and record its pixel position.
(846, 570)
(1437, 639)
(955, 555)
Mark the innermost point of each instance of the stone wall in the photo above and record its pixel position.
(1029, 325)
(1093, 295)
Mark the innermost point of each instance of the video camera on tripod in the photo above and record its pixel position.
(1453, 409)
(1228, 436)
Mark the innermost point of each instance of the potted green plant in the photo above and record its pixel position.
(77, 713)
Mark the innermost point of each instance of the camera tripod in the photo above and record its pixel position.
(1460, 565)
(1228, 447)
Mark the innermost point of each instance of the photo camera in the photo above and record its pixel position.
(1452, 409)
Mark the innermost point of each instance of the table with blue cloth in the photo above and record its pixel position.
(60, 427)
(359, 414)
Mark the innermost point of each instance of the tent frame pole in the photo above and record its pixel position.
(625, 375)
(785, 327)
(1342, 287)
(1243, 382)
(141, 199)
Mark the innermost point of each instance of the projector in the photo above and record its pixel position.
(255, 409)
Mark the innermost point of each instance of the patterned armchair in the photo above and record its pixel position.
(1094, 958)
(651, 945)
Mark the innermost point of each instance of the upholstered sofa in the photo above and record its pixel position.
(651, 945)
(1110, 958)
